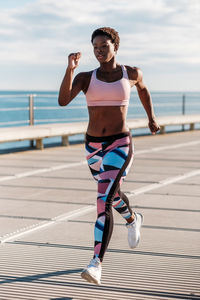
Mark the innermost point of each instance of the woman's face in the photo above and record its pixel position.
(104, 49)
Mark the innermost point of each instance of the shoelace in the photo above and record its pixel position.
(94, 262)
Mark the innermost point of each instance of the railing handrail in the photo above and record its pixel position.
(84, 106)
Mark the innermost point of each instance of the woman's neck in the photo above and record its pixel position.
(108, 66)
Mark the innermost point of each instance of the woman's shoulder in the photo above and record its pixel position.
(84, 78)
(133, 72)
(84, 75)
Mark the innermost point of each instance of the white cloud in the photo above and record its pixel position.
(43, 32)
(167, 44)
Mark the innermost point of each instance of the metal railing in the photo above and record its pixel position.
(31, 108)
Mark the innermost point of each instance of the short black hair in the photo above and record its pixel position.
(109, 32)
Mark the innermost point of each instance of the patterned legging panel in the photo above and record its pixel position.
(109, 159)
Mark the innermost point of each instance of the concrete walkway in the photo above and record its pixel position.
(47, 214)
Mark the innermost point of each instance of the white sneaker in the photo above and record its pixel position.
(134, 230)
(93, 271)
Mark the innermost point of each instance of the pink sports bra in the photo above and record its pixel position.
(101, 93)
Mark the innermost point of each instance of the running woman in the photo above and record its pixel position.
(108, 140)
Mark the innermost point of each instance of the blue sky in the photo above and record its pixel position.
(162, 37)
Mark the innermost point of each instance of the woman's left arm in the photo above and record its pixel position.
(145, 98)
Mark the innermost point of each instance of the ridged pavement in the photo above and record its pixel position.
(47, 215)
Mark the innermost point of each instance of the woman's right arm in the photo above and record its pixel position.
(69, 90)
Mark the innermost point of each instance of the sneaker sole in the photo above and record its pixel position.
(86, 275)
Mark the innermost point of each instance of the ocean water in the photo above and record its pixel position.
(14, 110)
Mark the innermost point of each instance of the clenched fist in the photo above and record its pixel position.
(73, 60)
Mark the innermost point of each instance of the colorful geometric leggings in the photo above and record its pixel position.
(109, 159)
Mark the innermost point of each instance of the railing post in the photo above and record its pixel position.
(31, 110)
(31, 115)
(183, 109)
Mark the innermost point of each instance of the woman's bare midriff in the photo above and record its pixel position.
(107, 120)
